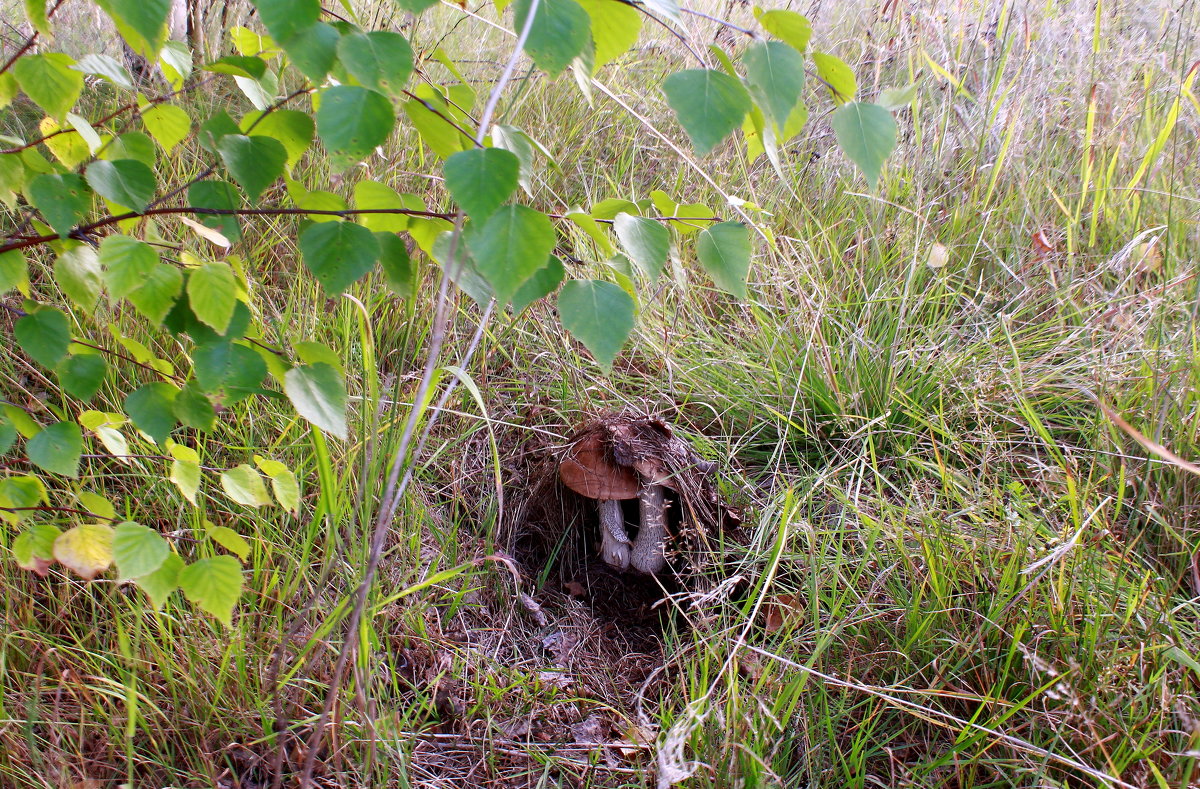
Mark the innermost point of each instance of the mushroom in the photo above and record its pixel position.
(589, 472)
(648, 553)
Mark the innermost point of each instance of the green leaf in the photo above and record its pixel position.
(293, 128)
(371, 195)
(213, 129)
(193, 408)
(351, 122)
(168, 125)
(64, 200)
(837, 76)
(214, 585)
(49, 81)
(435, 131)
(8, 88)
(254, 162)
(709, 104)
(77, 272)
(380, 60)
(220, 195)
(561, 29)
(57, 449)
(318, 393)
(397, 265)
(867, 133)
(44, 336)
(175, 59)
(152, 409)
(185, 471)
(283, 484)
(510, 247)
(775, 72)
(615, 29)
(137, 550)
(96, 504)
(160, 288)
(787, 26)
(82, 375)
(143, 23)
(12, 178)
(314, 51)
(131, 145)
(245, 485)
(34, 548)
(238, 66)
(338, 253)
(212, 293)
(107, 68)
(8, 433)
(416, 6)
(22, 495)
(159, 584)
(125, 182)
(231, 541)
(646, 242)
(35, 12)
(724, 252)
(482, 179)
(126, 263)
(86, 549)
(893, 99)
(285, 18)
(599, 315)
(544, 282)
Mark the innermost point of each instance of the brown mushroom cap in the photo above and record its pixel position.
(588, 471)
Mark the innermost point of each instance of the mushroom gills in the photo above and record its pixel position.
(648, 555)
(615, 547)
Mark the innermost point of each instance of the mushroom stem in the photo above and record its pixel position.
(647, 555)
(614, 542)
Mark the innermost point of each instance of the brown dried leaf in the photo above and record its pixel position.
(783, 609)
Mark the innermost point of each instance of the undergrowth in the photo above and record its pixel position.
(954, 569)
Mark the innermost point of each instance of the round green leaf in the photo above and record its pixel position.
(286, 18)
(152, 410)
(837, 76)
(212, 293)
(161, 286)
(510, 247)
(168, 125)
(77, 272)
(599, 315)
(314, 51)
(541, 284)
(380, 60)
(81, 375)
(338, 253)
(44, 335)
(64, 200)
(254, 162)
(709, 104)
(127, 262)
(126, 182)
(57, 449)
(481, 179)
(352, 121)
(193, 408)
(398, 268)
(293, 128)
(724, 251)
(50, 81)
(137, 550)
(318, 393)
(787, 26)
(646, 242)
(34, 548)
(775, 72)
(615, 28)
(143, 23)
(561, 29)
(245, 485)
(867, 134)
(214, 585)
(14, 272)
(159, 584)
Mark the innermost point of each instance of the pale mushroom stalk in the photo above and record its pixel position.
(615, 547)
(648, 554)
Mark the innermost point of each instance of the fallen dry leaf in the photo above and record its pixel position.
(783, 608)
(939, 256)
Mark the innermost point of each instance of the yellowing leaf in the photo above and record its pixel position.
(86, 549)
(245, 486)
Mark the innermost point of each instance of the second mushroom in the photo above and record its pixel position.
(590, 471)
